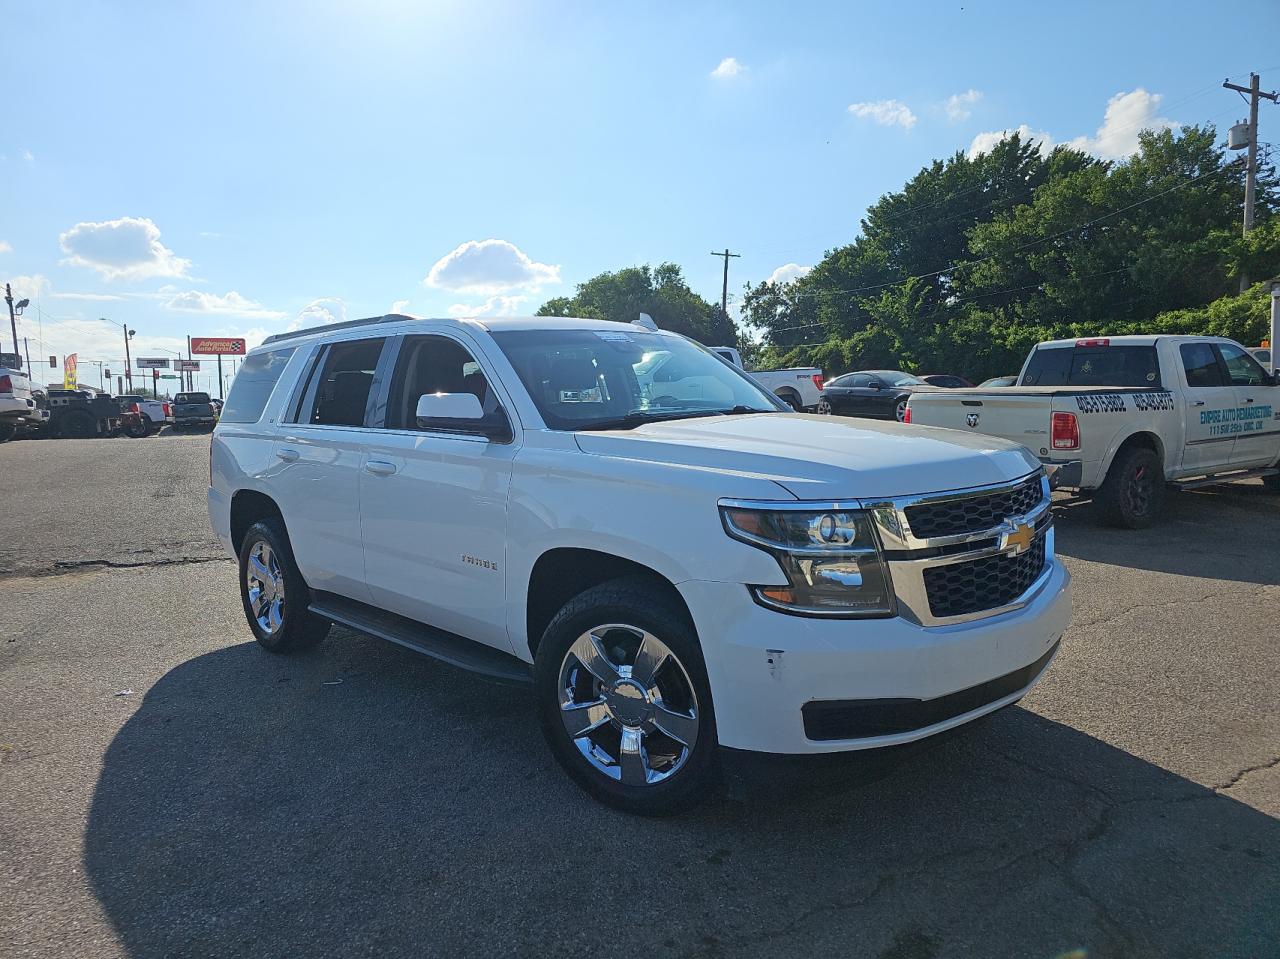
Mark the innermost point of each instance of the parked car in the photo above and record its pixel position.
(192, 410)
(800, 387)
(947, 381)
(1120, 418)
(155, 413)
(1262, 354)
(18, 409)
(879, 394)
(82, 414)
(670, 578)
(999, 382)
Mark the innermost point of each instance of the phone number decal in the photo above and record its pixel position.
(1102, 403)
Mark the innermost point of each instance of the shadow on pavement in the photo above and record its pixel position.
(251, 808)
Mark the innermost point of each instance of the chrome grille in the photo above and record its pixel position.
(959, 589)
(972, 514)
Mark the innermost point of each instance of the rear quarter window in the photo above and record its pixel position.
(1136, 367)
(253, 385)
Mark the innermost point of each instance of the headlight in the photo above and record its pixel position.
(830, 558)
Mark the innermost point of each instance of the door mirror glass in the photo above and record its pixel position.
(448, 406)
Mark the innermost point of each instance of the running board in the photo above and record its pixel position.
(436, 643)
(1222, 478)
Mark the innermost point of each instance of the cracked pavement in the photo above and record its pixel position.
(166, 788)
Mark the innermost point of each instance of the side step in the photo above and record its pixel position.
(437, 643)
(1222, 478)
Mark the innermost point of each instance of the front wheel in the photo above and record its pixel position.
(1272, 482)
(273, 592)
(824, 406)
(624, 701)
(1132, 495)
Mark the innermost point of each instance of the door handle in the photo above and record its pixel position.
(289, 456)
(1199, 402)
(1248, 399)
(380, 468)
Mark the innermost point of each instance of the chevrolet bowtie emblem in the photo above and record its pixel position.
(1018, 539)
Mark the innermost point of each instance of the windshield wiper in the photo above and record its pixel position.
(629, 421)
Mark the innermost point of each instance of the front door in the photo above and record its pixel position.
(1210, 411)
(1258, 402)
(433, 498)
(318, 461)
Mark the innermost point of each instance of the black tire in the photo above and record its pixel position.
(78, 425)
(1272, 482)
(138, 430)
(1132, 495)
(8, 431)
(149, 423)
(298, 629)
(637, 602)
(792, 399)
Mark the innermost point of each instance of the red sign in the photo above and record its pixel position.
(215, 345)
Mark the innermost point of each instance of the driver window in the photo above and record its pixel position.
(433, 364)
(862, 381)
(1241, 367)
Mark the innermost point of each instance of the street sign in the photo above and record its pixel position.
(187, 366)
(217, 346)
(152, 363)
(170, 376)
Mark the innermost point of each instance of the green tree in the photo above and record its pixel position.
(660, 291)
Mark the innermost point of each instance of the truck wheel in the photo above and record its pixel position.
(274, 594)
(1272, 482)
(1132, 495)
(138, 429)
(8, 431)
(623, 698)
(791, 398)
(78, 425)
(149, 424)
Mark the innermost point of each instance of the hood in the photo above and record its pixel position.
(823, 457)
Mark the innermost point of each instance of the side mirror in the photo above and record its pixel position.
(461, 413)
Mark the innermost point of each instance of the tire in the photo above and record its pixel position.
(78, 425)
(792, 399)
(138, 430)
(900, 409)
(608, 625)
(149, 423)
(1132, 495)
(8, 431)
(281, 623)
(824, 406)
(1272, 482)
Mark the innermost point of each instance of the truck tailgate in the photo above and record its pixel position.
(1021, 415)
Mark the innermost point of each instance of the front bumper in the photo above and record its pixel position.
(766, 667)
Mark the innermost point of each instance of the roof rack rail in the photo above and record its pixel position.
(344, 325)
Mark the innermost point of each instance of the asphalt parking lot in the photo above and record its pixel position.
(167, 788)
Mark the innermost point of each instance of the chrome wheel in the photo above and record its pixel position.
(900, 411)
(824, 407)
(265, 583)
(627, 704)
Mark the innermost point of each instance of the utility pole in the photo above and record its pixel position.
(128, 362)
(27, 351)
(724, 290)
(1251, 171)
(13, 317)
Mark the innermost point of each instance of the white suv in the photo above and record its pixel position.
(673, 577)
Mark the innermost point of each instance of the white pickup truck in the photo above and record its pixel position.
(800, 387)
(1124, 417)
(18, 407)
(672, 575)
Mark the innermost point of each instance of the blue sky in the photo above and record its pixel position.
(240, 168)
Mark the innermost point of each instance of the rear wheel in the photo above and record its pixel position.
(273, 592)
(1132, 495)
(624, 701)
(792, 399)
(1272, 482)
(824, 406)
(8, 431)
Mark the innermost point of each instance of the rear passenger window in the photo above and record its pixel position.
(1200, 364)
(253, 384)
(340, 389)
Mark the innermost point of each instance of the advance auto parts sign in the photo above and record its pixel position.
(217, 346)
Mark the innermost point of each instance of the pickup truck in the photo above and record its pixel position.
(154, 413)
(18, 407)
(677, 579)
(800, 387)
(192, 410)
(1123, 418)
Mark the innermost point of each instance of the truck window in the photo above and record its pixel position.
(1241, 367)
(340, 393)
(253, 384)
(433, 364)
(1125, 366)
(1200, 364)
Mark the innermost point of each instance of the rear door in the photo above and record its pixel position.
(1210, 409)
(1257, 400)
(319, 459)
(433, 496)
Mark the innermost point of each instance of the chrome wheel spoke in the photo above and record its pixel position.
(274, 617)
(581, 718)
(681, 727)
(649, 659)
(257, 599)
(632, 759)
(589, 651)
(260, 571)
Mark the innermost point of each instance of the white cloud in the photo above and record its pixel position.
(487, 267)
(788, 272)
(728, 68)
(92, 297)
(983, 142)
(328, 309)
(493, 306)
(399, 306)
(5, 247)
(1128, 114)
(125, 249)
(232, 304)
(959, 106)
(27, 155)
(887, 113)
(29, 287)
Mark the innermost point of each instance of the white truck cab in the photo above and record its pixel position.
(675, 576)
(1122, 417)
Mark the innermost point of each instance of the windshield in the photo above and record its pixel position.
(607, 379)
(895, 378)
